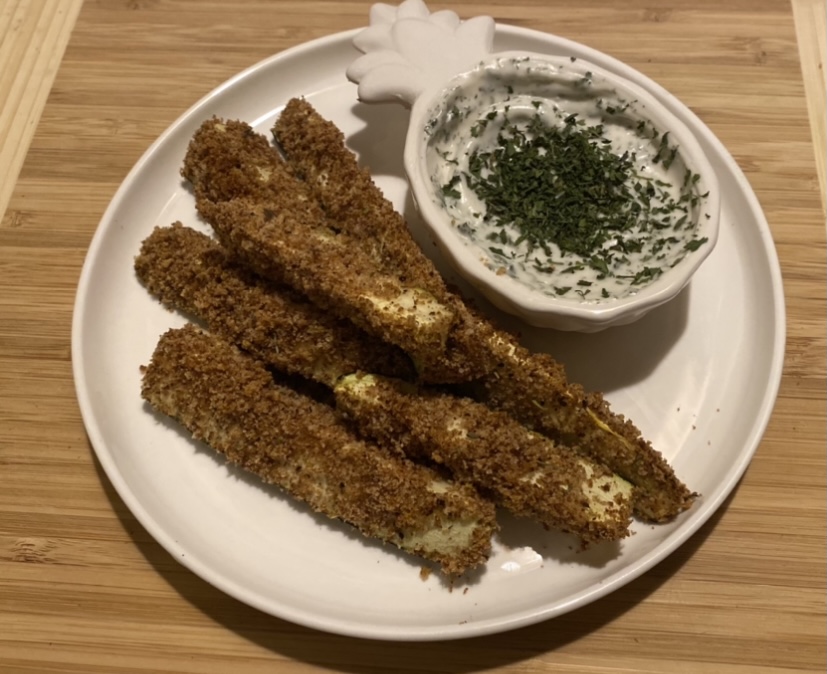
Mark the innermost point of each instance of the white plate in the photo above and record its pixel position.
(699, 376)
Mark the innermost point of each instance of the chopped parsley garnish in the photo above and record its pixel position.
(563, 185)
(546, 191)
(449, 189)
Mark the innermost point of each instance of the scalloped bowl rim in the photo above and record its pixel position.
(535, 307)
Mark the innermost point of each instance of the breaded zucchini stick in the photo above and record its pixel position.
(532, 387)
(280, 245)
(270, 221)
(315, 151)
(191, 272)
(525, 472)
(231, 402)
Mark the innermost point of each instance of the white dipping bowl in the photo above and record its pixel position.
(436, 144)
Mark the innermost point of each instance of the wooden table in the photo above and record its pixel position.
(86, 87)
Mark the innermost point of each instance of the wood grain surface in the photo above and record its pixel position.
(811, 30)
(84, 588)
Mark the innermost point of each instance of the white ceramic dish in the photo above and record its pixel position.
(526, 302)
(444, 69)
(699, 376)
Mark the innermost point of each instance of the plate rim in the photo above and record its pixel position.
(299, 616)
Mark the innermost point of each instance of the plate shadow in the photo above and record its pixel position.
(381, 143)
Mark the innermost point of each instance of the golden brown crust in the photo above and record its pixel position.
(278, 245)
(254, 202)
(191, 272)
(227, 159)
(523, 471)
(231, 402)
(533, 389)
(316, 152)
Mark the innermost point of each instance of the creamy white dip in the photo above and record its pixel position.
(474, 117)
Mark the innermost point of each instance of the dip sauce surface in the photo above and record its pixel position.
(503, 107)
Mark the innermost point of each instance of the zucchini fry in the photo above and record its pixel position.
(315, 151)
(231, 402)
(281, 246)
(270, 220)
(191, 272)
(525, 472)
(531, 387)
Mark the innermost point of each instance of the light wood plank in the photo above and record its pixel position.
(811, 30)
(33, 36)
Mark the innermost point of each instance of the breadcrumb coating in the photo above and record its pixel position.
(315, 151)
(227, 159)
(521, 470)
(271, 220)
(231, 402)
(277, 244)
(532, 387)
(191, 272)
